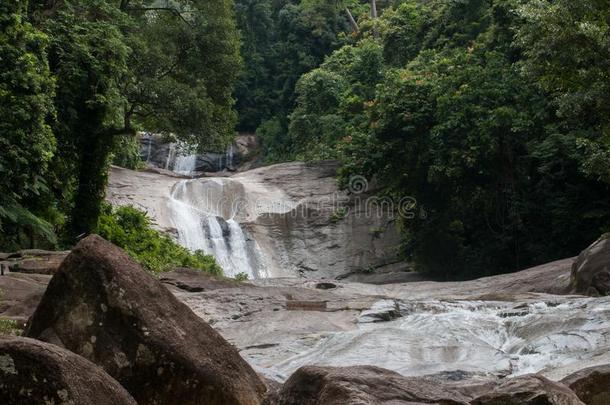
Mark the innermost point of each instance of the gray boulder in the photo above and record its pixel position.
(591, 270)
(33, 372)
(592, 385)
(104, 307)
(529, 389)
(361, 385)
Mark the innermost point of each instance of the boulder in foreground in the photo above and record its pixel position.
(103, 306)
(592, 385)
(33, 372)
(529, 390)
(591, 270)
(359, 385)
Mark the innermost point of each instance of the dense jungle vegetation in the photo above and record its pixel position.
(493, 114)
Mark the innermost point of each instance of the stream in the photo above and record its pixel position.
(282, 319)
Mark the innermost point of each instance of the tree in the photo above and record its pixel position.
(26, 108)
(567, 49)
(167, 67)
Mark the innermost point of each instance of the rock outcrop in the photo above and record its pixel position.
(529, 390)
(104, 307)
(33, 373)
(361, 385)
(591, 271)
(20, 295)
(33, 261)
(592, 385)
(290, 229)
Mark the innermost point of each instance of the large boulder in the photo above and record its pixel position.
(592, 385)
(591, 270)
(103, 306)
(33, 372)
(361, 385)
(529, 389)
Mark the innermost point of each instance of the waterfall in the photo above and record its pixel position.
(230, 156)
(171, 153)
(185, 164)
(200, 228)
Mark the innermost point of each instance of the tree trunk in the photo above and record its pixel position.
(374, 17)
(92, 178)
(352, 21)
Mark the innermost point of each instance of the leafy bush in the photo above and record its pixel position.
(126, 153)
(9, 327)
(241, 277)
(130, 229)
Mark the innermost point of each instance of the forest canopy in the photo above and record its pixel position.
(81, 76)
(494, 115)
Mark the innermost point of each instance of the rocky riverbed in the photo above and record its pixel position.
(514, 336)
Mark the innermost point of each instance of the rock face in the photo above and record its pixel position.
(20, 295)
(33, 372)
(293, 220)
(529, 390)
(103, 306)
(592, 385)
(158, 153)
(591, 271)
(33, 261)
(361, 385)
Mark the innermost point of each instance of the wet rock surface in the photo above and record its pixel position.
(33, 373)
(104, 307)
(591, 385)
(501, 326)
(591, 270)
(296, 220)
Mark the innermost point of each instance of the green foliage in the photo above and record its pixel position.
(130, 229)
(567, 49)
(338, 215)
(241, 277)
(491, 132)
(26, 140)
(79, 78)
(282, 40)
(126, 153)
(8, 326)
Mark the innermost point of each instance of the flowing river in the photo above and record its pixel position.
(287, 316)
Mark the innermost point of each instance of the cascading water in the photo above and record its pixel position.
(197, 216)
(488, 338)
(185, 164)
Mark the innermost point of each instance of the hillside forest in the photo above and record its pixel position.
(494, 115)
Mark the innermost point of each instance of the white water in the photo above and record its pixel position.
(185, 164)
(505, 339)
(201, 226)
